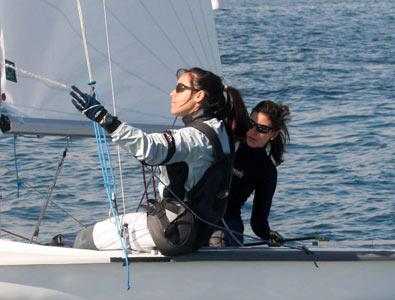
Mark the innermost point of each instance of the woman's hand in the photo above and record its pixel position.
(88, 105)
(275, 239)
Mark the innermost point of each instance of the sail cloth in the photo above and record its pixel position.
(149, 41)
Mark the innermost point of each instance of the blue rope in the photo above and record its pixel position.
(18, 181)
(106, 167)
(103, 137)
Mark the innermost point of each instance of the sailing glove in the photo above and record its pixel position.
(93, 109)
(275, 239)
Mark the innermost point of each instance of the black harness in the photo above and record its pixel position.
(205, 203)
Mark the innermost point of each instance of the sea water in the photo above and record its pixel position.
(332, 62)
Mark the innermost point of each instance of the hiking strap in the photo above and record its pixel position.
(159, 210)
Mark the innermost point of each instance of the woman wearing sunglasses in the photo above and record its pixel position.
(255, 171)
(183, 156)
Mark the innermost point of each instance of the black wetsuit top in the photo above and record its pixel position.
(253, 171)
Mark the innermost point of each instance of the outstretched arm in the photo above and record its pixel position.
(153, 149)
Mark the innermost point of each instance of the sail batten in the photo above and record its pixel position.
(150, 40)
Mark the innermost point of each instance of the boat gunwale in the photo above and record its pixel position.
(271, 254)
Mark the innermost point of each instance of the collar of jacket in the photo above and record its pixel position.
(201, 115)
(261, 150)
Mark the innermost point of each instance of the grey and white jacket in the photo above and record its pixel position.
(182, 154)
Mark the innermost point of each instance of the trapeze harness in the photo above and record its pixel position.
(205, 203)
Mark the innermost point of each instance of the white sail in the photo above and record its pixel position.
(149, 40)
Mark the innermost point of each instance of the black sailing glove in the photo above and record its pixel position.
(88, 105)
(275, 239)
(94, 110)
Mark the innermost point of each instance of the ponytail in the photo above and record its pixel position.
(237, 118)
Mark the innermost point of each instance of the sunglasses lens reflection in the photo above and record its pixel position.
(180, 88)
(260, 128)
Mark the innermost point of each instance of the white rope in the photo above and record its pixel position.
(109, 58)
(42, 78)
(85, 43)
(113, 103)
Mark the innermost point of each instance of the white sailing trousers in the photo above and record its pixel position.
(106, 236)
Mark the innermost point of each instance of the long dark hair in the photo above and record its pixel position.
(279, 115)
(230, 109)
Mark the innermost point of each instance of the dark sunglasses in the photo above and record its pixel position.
(182, 87)
(260, 128)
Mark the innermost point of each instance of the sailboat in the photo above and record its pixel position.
(41, 55)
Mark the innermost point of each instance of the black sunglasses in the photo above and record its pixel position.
(260, 128)
(182, 87)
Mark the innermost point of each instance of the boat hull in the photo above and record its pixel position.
(208, 274)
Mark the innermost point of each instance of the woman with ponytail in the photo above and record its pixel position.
(215, 119)
(255, 171)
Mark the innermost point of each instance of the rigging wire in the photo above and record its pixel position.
(154, 184)
(18, 235)
(155, 168)
(145, 186)
(36, 231)
(113, 102)
(109, 58)
(145, 193)
(18, 181)
(25, 183)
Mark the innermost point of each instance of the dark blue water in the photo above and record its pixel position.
(332, 62)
